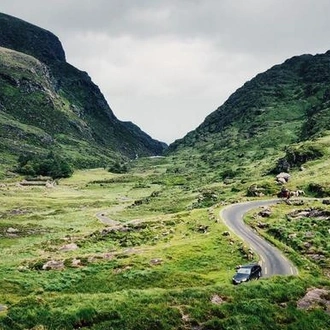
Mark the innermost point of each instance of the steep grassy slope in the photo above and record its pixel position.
(47, 103)
(287, 104)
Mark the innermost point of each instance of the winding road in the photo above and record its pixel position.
(273, 261)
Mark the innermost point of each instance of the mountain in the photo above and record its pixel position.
(46, 103)
(288, 105)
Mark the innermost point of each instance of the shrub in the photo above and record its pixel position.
(52, 165)
(118, 168)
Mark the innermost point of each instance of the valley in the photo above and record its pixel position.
(166, 264)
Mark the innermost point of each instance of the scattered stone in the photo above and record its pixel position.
(262, 225)
(283, 176)
(11, 230)
(297, 203)
(53, 265)
(108, 256)
(76, 262)
(156, 261)
(307, 245)
(226, 233)
(18, 212)
(316, 256)
(68, 247)
(23, 268)
(326, 201)
(12, 235)
(266, 213)
(217, 300)
(121, 270)
(315, 298)
(280, 181)
(3, 308)
(202, 228)
(255, 191)
(293, 235)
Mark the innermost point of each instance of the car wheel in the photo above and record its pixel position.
(259, 275)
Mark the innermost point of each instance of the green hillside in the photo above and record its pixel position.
(47, 104)
(287, 104)
(148, 248)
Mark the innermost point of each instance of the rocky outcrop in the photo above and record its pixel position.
(315, 298)
(46, 102)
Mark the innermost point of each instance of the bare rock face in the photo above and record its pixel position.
(315, 298)
(30, 39)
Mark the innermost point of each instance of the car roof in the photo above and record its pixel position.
(249, 266)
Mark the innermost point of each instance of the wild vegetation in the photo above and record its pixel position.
(162, 259)
(47, 104)
(139, 244)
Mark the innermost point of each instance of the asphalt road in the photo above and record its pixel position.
(273, 262)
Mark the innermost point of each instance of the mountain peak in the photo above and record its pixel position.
(30, 39)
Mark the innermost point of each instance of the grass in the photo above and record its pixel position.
(168, 267)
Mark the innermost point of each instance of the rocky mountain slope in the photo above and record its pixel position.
(288, 103)
(46, 103)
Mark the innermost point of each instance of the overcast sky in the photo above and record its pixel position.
(166, 64)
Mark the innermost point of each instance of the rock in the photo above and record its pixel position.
(3, 308)
(23, 268)
(262, 225)
(11, 230)
(326, 201)
(315, 298)
(266, 213)
(226, 233)
(68, 247)
(307, 245)
(53, 265)
(281, 180)
(12, 235)
(283, 175)
(217, 300)
(156, 261)
(76, 262)
(202, 228)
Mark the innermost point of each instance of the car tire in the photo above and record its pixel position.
(259, 275)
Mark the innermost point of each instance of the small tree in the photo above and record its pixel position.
(52, 165)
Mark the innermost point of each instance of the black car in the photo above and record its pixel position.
(246, 273)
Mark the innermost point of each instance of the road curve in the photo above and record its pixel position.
(273, 261)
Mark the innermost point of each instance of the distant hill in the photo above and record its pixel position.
(46, 103)
(287, 104)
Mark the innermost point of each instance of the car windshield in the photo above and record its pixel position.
(244, 271)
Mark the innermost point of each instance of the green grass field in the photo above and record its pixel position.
(166, 265)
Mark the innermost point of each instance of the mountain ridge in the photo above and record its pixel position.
(284, 93)
(41, 90)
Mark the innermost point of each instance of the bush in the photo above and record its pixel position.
(118, 168)
(297, 155)
(52, 165)
(318, 190)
